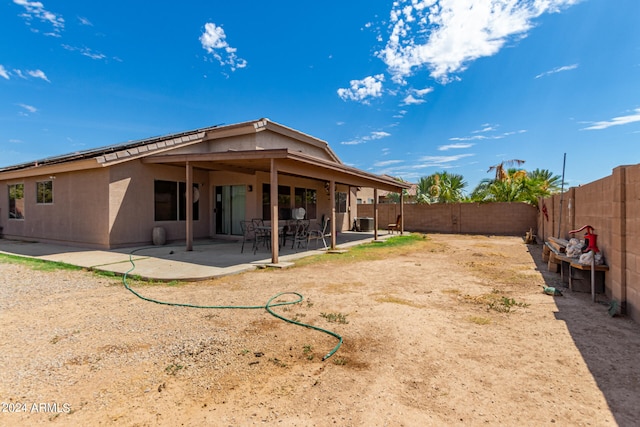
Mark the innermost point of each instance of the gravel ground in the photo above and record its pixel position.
(422, 346)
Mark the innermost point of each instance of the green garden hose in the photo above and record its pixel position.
(267, 307)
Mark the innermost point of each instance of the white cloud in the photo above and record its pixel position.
(410, 100)
(31, 109)
(85, 51)
(371, 137)
(84, 21)
(360, 90)
(214, 42)
(446, 35)
(38, 74)
(616, 121)
(438, 160)
(468, 138)
(4, 73)
(486, 128)
(35, 9)
(387, 163)
(558, 70)
(378, 135)
(423, 92)
(455, 146)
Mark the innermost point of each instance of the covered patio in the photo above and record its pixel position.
(207, 258)
(277, 163)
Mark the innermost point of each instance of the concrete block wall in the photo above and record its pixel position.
(472, 218)
(610, 205)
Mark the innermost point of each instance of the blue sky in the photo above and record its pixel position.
(405, 88)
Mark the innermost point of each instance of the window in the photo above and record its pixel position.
(170, 201)
(341, 202)
(284, 202)
(16, 201)
(307, 199)
(44, 192)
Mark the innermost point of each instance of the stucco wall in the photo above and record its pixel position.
(610, 205)
(78, 214)
(131, 203)
(472, 218)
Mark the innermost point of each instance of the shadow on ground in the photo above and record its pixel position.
(610, 346)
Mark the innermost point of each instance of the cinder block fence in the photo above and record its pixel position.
(610, 205)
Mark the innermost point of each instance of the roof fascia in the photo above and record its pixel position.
(387, 182)
(37, 170)
(292, 133)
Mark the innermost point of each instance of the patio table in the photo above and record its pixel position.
(266, 229)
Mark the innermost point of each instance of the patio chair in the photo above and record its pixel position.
(248, 234)
(320, 234)
(395, 226)
(289, 231)
(262, 234)
(301, 233)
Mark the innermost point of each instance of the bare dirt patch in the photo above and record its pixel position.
(453, 330)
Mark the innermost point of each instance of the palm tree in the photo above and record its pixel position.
(501, 172)
(513, 185)
(441, 187)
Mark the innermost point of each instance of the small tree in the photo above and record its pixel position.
(441, 187)
(395, 197)
(516, 185)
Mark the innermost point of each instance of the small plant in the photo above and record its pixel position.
(173, 369)
(335, 317)
(504, 305)
(340, 361)
(298, 316)
(307, 350)
(278, 362)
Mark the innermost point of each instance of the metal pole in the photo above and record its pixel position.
(564, 162)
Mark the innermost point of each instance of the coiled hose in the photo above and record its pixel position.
(267, 307)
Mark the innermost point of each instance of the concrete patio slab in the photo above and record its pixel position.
(209, 258)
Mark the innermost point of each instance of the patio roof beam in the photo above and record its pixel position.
(295, 163)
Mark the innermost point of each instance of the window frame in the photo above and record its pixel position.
(176, 210)
(18, 215)
(41, 193)
(341, 205)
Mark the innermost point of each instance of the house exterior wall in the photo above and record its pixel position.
(106, 198)
(78, 214)
(471, 218)
(131, 203)
(610, 205)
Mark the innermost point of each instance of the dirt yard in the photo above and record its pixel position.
(452, 330)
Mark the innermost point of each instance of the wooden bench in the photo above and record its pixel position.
(554, 254)
(596, 277)
(570, 269)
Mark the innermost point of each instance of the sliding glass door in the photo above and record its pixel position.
(230, 208)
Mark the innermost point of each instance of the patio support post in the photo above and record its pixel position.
(375, 214)
(274, 212)
(401, 212)
(332, 201)
(189, 207)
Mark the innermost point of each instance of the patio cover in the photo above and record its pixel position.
(275, 162)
